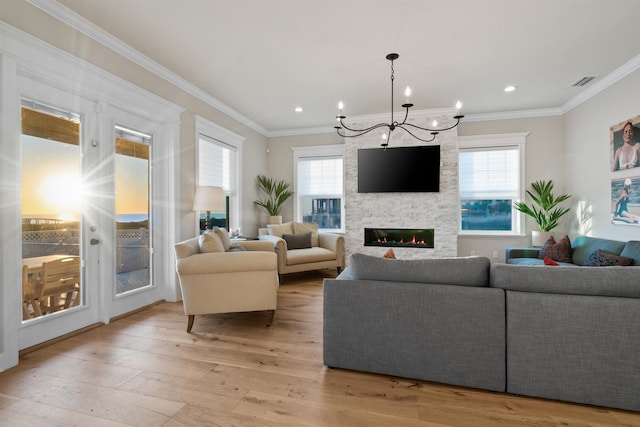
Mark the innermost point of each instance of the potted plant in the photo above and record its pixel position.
(545, 209)
(276, 194)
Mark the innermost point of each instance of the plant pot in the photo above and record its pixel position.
(539, 237)
(275, 219)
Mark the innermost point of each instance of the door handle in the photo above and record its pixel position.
(94, 241)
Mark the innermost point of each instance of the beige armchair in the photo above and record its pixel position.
(227, 281)
(326, 250)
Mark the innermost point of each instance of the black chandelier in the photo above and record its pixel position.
(347, 132)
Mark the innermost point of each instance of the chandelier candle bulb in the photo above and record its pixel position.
(435, 123)
(407, 94)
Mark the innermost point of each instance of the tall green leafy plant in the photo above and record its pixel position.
(276, 194)
(545, 208)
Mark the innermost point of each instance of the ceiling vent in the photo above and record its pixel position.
(584, 81)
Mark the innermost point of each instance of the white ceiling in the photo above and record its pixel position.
(263, 58)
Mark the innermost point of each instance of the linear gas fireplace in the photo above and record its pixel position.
(399, 237)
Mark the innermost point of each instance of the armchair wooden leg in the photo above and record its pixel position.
(270, 314)
(190, 322)
(339, 269)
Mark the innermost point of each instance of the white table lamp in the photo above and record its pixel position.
(208, 199)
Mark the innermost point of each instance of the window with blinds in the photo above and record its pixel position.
(216, 162)
(320, 187)
(490, 180)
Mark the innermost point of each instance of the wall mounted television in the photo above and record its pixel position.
(399, 170)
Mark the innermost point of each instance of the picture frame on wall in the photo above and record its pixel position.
(625, 201)
(625, 144)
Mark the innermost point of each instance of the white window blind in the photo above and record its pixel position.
(216, 164)
(320, 176)
(489, 173)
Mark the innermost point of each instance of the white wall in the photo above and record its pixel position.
(586, 158)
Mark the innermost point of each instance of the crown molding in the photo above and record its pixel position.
(80, 24)
(600, 85)
(509, 115)
(302, 131)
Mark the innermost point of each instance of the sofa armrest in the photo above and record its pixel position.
(280, 246)
(187, 248)
(521, 253)
(256, 245)
(333, 242)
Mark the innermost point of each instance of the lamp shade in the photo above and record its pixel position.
(209, 199)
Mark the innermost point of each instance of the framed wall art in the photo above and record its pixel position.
(625, 201)
(625, 144)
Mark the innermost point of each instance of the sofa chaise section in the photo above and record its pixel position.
(434, 320)
(573, 334)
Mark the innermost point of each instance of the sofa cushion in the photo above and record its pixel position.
(600, 258)
(584, 246)
(310, 255)
(534, 261)
(471, 271)
(575, 280)
(560, 251)
(297, 241)
(307, 227)
(280, 229)
(632, 250)
(210, 242)
(224, 237)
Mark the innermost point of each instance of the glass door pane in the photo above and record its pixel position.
(51, 196)
(133, 236)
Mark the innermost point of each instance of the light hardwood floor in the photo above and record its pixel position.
(145, 370)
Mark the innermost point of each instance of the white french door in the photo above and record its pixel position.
(87, 135)
(61, 212)
(130, 271)
(86, 194)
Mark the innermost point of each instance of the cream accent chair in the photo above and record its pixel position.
(326, 251)
(227, 282)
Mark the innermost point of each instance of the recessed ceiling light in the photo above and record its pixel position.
(298, 109)
(510, 88)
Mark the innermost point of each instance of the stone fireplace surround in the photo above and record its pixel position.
(438, 211)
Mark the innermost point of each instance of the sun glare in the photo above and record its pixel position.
(62, 193)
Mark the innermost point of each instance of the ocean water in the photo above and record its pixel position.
(119, 218)
(132, 217)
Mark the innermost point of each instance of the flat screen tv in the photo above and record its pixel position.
(399, 170)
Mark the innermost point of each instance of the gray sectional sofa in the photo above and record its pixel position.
(570, 334)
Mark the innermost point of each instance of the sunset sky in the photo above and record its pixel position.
(51, 182)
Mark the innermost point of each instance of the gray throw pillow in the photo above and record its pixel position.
(298, 241)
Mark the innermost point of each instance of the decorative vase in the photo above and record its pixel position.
(539, 237)
(277, 219)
